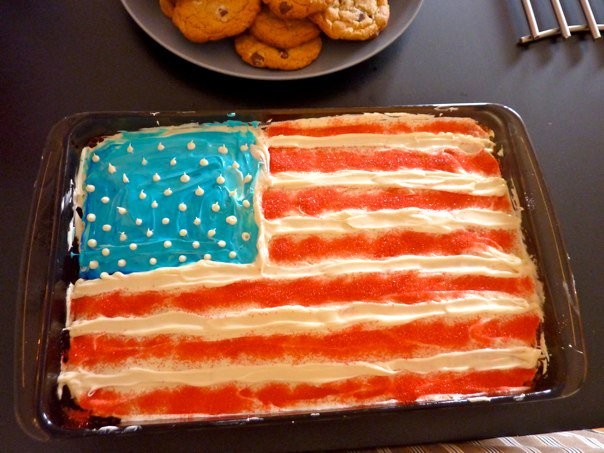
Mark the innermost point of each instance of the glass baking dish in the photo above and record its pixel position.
(48, 268)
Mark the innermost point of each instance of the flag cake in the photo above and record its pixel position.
(249, 269)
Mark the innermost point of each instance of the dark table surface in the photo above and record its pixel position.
(59, 58)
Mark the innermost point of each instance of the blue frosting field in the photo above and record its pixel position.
(167, 221)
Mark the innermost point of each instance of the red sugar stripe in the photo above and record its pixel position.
(317, 200)
(403, 287)
(332, 159)
(335, 126)
(361, 342)
(237, 399)
(314, 248)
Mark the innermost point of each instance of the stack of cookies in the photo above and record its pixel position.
(278, 34)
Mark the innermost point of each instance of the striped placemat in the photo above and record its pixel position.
(590, 440)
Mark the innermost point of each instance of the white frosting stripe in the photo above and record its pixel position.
(81, 381)
(421, 141)
(490, 262)
(469, 183)
(292, 320)
(414, 219)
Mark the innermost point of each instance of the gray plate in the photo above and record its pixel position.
(221, 57)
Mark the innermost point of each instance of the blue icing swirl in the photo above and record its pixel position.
(134, 222)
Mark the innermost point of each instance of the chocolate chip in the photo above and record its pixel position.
(362, 17)
(223, 14)
(283, 54)
(257, 59)
(284, 7)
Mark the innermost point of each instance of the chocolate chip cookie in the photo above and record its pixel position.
(282, 33)
(211, 20)
(296, 9)
(355, 20)
(261, 55)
